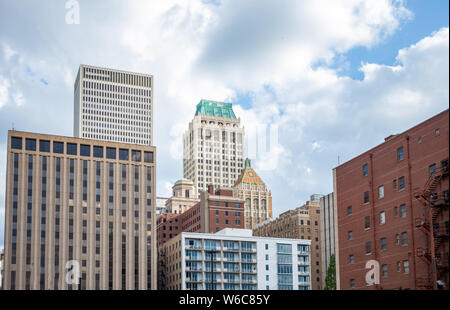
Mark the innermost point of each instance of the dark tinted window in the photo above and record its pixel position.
(111, 153)
(365, 170)
(136, 155)
(400, 154)
(98, 151)
(85, 150)
(148, 157)
(30, 144)
(123, 154)
(44, 146)
(58, 147)
(16, 143)
(71, 149)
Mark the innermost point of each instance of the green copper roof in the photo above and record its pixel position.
(214, 108)
(249, 175)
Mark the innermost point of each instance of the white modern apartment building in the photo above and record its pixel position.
(113, 105)
(213, 146)
(239, 262)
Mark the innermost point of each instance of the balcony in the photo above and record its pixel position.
(198, 279)
(249, 270)
(231, 259)
(231, 280)
(231, 270)
(190, 268)
(248, 250)
(303, 263)
(193, 247)
(194, 258)
(225, 249)
(303, 273)
(249, 281)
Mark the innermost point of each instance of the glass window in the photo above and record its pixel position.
(123, 154)
(368, 247)
(432, 170)
(350, 235)
(401, 183)
(406, 266)
(349, 210)
(365, 170)
(404, 238)
(351, 259)
(367, 222)
(148, 157)
(58, 147)
(394, 185)
(44, 146)
(30, 144)
(85, 150)
(384, 269)
(380, 191)
(98, 151)
(383, 244)
(366, 197)
(400, 155)
(71, 149)
(403, 210)
(111, 153)
(382, 218)
(352, 283)
(16, 143)
(136, 155)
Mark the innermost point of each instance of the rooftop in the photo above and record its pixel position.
(248, 175)
(215, 108)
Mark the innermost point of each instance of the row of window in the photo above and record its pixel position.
(83, 150)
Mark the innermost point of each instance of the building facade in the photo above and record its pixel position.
(213, 146)
(184, 196)
(86, 202)
(1, 268)
(257, 197)
(392, 208)
(232, 259)
(113, 105)
(215, 211)
(300, 223)
(327, 232)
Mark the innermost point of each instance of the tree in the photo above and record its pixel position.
(330, 280)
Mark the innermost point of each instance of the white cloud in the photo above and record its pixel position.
(4, 91)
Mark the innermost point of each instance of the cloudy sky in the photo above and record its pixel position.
(330, 78)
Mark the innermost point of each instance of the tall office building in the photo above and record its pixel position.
(327, 232)
(258, 198)
(393, 207)
(113, 105)
(213, 146)
(233, 259)
(300, 223)
(73, 199)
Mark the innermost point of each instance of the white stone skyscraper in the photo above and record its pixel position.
(213, 146)
(113, 105)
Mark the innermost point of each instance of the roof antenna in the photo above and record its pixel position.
(12, 125)
(339, 162)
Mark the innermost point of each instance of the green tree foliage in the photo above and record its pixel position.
(330, 280)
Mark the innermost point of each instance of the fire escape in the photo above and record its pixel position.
(434, 202)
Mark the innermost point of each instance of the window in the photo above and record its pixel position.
(366, 197)
(16, 143)
(352, 283)
(396, 211)
(367, 222)
(401, 183)
(111, 153)
(85, 150)
(432, 170)
(404, 238)
(136, 156)
(148, 157)
(380, 191)
(30, 144)
(382, 218)
(383, 244)
(98, 151)
(71, 148)
(58, 147)
(349, 210)
(267, 246)
(399, 266)
(368, 247)
(123, 154)
(400, 155)
(397, 239)
(403, 211)
(351, 259)
(365, 170)
(406, 267)
(44, 146)
(394, 185)
(384, 270)
(350, 235)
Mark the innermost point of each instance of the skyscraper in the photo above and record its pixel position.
(213, 146)
(88, 201)
(258, 198)
(113, 105)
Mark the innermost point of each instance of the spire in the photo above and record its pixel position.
(248, 175)
(248, 163)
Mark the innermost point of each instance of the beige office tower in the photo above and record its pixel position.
(183, 197)
(79, 210)
(258, 198)
(300, 223)
(213, 146)
(113, 105)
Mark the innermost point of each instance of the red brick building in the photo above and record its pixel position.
(392, 207)
(215, 211)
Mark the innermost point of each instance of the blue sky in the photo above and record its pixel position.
(332, 77)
